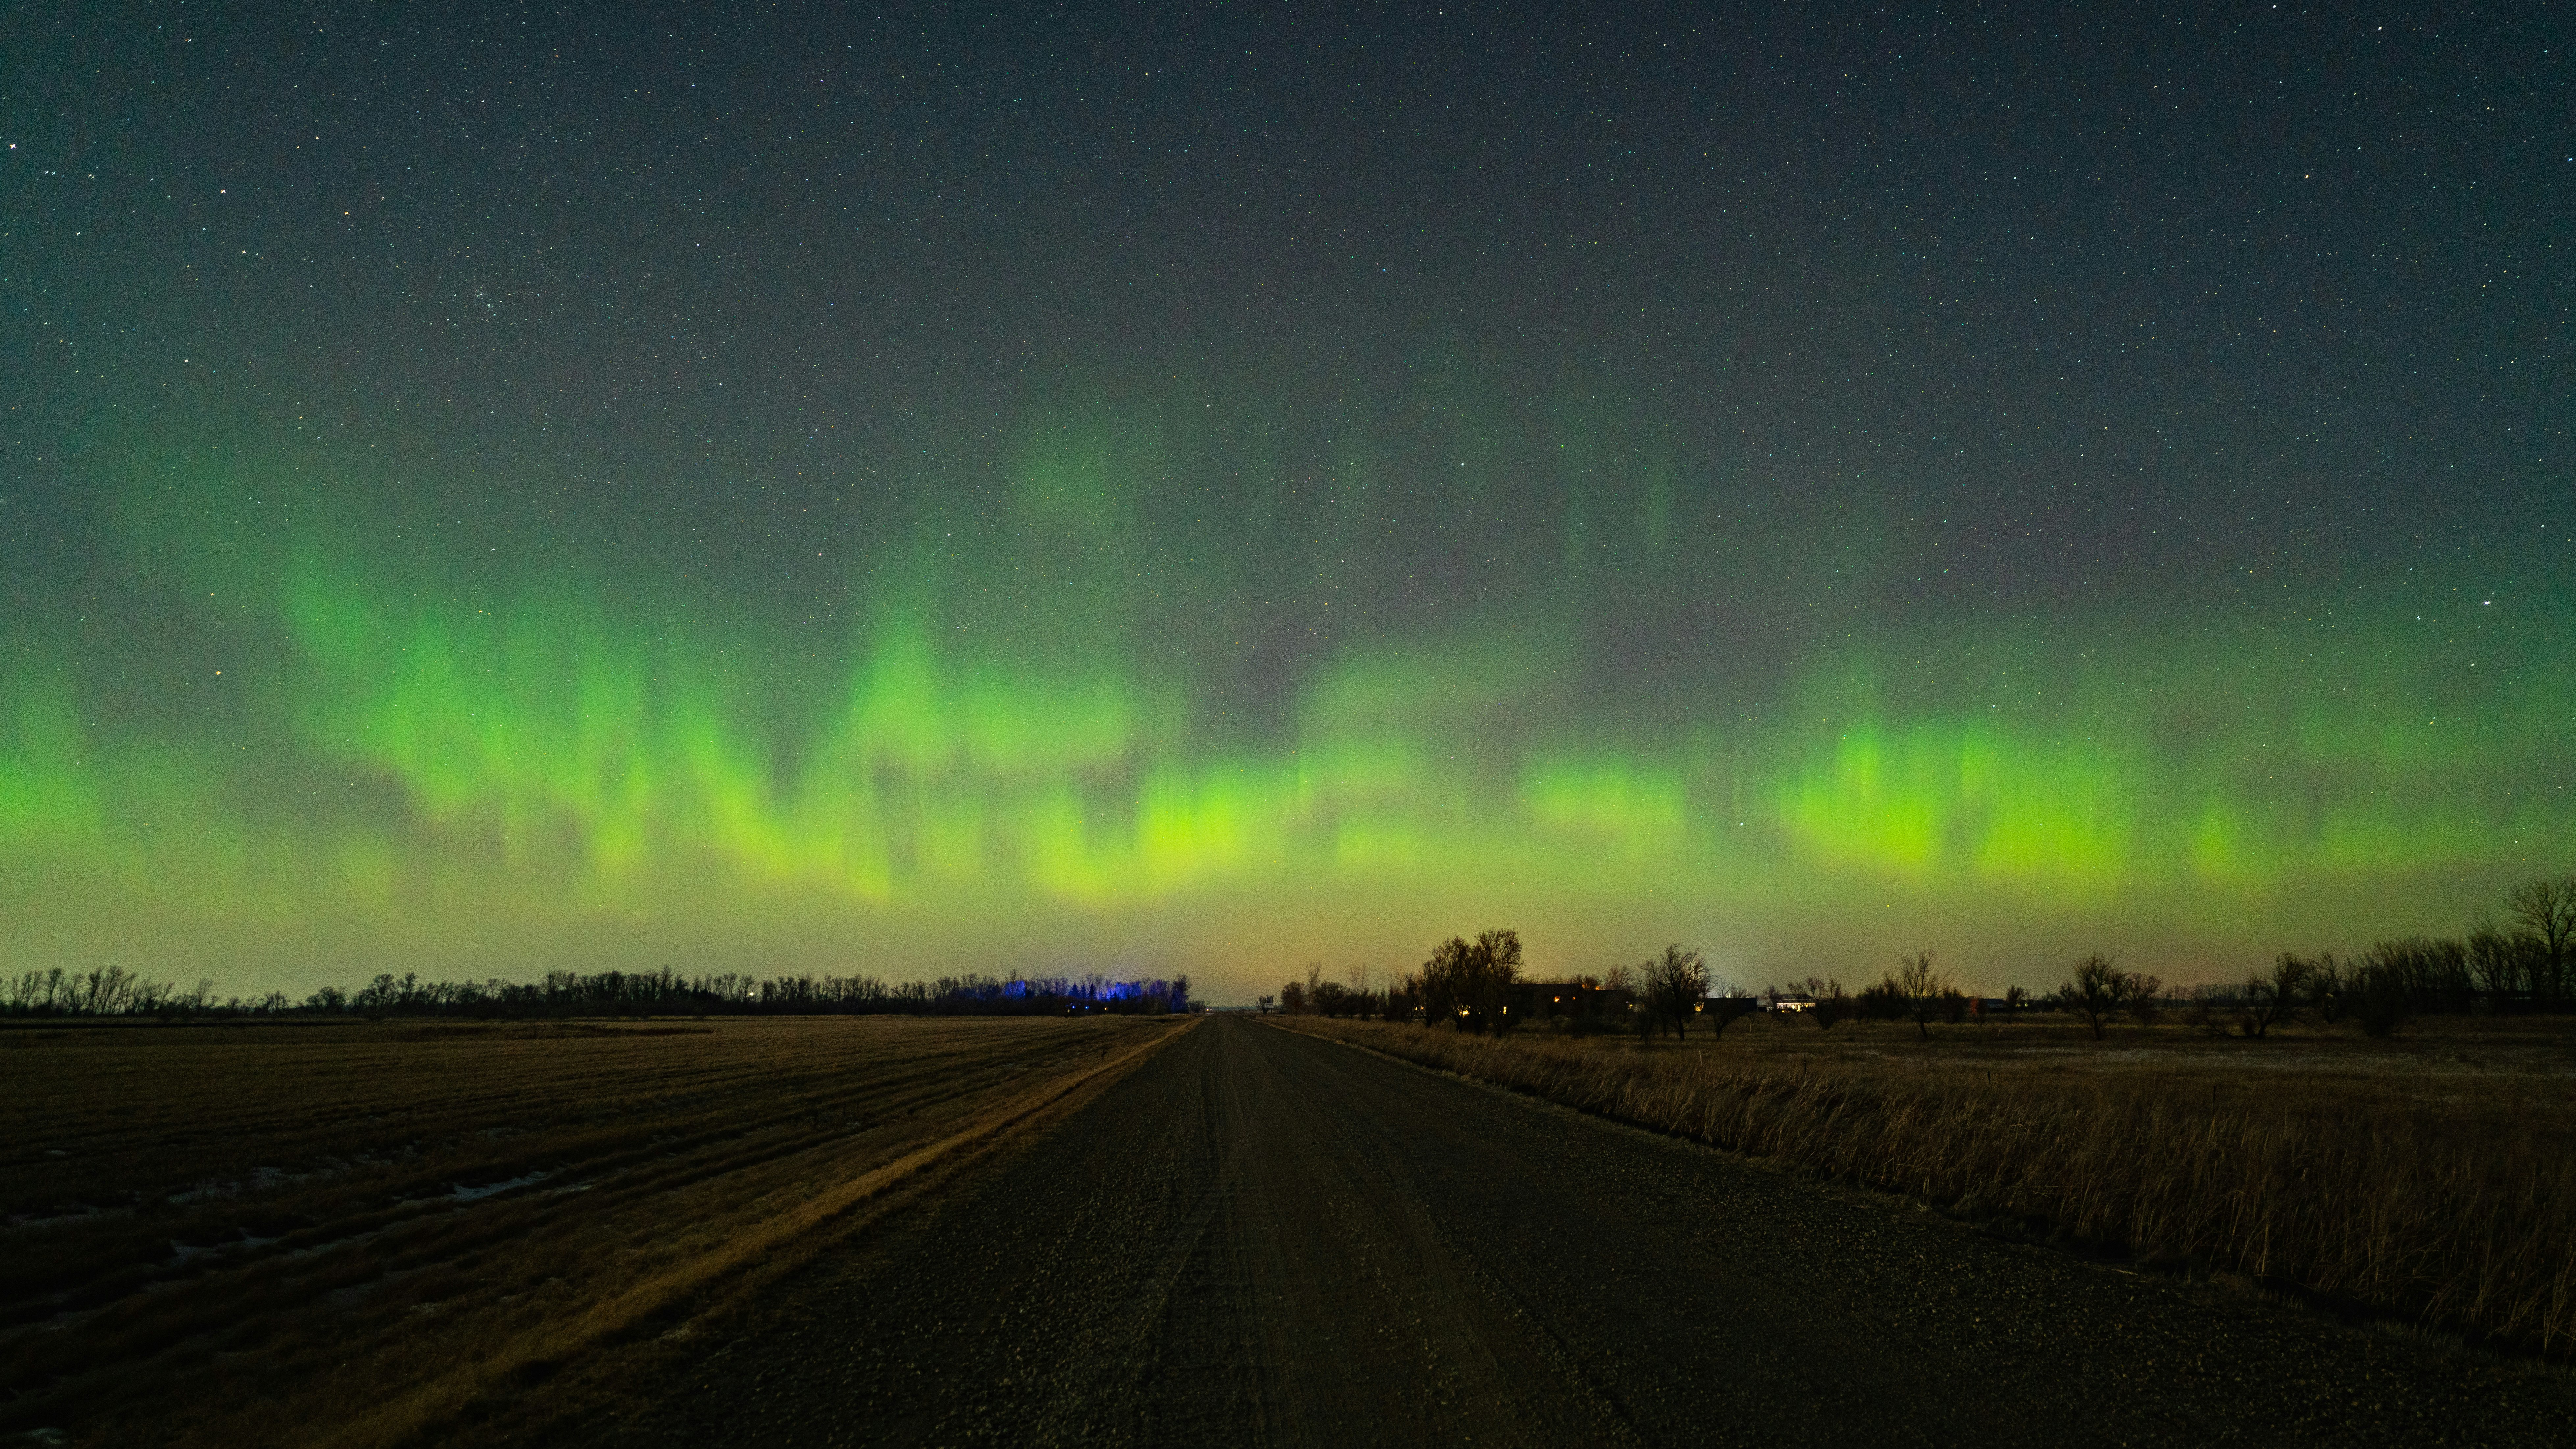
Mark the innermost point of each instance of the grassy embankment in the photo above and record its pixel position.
(354, 1233)
(2432, 1177)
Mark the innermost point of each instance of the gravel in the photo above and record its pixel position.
(1266, 1238)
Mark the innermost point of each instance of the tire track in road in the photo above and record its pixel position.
(1331, 1279)
(1265, 1238)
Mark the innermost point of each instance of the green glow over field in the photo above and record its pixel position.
(526, 757)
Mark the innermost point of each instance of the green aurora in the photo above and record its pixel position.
(1092, 708)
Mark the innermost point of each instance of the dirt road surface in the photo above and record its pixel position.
(1264, 1238)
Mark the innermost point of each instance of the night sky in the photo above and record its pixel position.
(1055, 489)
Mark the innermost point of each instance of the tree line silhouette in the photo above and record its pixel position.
(2522, 963)
(2525, 962)
(114, 991)
(1477, 986)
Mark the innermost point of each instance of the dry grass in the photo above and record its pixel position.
(351, 1233)
(2432, 1177)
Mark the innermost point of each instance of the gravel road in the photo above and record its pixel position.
(1264, 1238)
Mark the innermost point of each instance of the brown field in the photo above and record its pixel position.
(2431, 1177)
(356, 1233)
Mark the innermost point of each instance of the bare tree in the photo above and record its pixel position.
(2141, 993)
(2095, 990)
(1444, 976)
(2499, 959)
(1831, 1002)
(1496, 968)
(2545, 910)
(1921, 985)
(1676, 983)
(2330, 989)
(1469, 983)
(2274, 999)
(1405, 997)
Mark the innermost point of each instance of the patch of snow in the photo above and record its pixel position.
(476, 1194)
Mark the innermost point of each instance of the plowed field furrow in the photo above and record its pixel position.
(294, 1213)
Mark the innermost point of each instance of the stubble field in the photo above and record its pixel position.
(360, 1232)
(2431, 1178)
